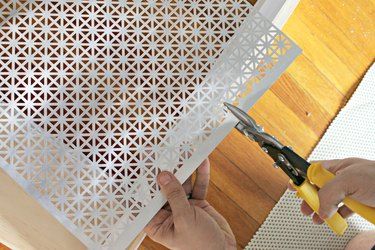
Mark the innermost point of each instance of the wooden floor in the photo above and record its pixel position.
(338, 42)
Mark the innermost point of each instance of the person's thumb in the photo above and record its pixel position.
(331, 195)
(175, 194)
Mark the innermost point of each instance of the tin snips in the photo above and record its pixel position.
(305, 177)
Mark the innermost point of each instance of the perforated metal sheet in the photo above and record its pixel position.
(97, 97)
(351, 134)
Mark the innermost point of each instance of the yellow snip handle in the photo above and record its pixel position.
(318, 175)
(309, 193)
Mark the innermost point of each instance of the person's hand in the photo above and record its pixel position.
(355, 178)
(193, 223)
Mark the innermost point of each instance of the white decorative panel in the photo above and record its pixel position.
(97, 97)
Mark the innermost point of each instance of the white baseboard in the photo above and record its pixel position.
(277, 11)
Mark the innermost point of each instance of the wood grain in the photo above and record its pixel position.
(337, 38)
(3, 247)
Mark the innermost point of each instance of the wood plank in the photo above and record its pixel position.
(325, 30)
(240, 187)
(316, 84)
(271, 108)
(3, 247)
(148, 244)
(320, 54)
(252, 161)
(302, 104)
(355, 19)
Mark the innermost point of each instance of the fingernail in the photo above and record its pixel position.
(164, 178)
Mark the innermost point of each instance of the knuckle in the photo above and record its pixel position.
(174, 193)
(324, 198)
(205, 204)
(343, 180)
(343, 173)
(201, 186)
(349, 161)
